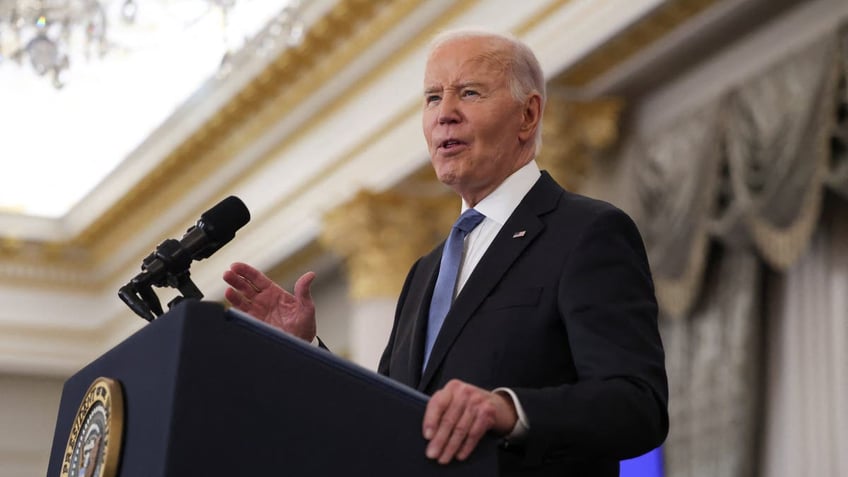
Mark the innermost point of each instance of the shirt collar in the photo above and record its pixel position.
(500, 204)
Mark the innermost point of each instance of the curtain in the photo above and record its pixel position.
(806, 431)
(713, 368)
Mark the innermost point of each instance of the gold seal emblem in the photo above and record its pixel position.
(94, 445)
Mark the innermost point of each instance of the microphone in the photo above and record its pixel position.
(169, 264)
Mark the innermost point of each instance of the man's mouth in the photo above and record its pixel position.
(450, 143)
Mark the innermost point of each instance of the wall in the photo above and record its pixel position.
(28, 407)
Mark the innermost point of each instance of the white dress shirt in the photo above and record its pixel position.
(497, 207)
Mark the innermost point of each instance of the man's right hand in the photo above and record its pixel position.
(255, 294)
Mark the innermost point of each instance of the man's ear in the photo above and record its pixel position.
(531, 116)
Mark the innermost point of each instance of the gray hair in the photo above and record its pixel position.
(526, 76)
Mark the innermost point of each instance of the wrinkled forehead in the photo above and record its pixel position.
(464, 60)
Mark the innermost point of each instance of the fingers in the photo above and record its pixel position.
(482, 423)
(433, 413)
(246, 283)
(302, 286)
(456, 419)
(246, 279)
(456, 435)
(242, 303)
(236, 299)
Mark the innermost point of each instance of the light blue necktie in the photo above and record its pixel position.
(448, 272)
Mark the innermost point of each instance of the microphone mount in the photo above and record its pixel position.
(168, 265)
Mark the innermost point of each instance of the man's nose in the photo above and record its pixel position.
(448, 110)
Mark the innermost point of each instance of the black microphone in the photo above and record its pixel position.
(168, 265)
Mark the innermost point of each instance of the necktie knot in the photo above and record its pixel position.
(468, 221)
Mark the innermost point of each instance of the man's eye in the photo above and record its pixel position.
(470, 92)
(431, 98)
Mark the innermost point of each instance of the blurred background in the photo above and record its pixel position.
(721, 126)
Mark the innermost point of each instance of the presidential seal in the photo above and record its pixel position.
(94, 445)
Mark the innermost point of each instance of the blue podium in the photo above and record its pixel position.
(213, 392)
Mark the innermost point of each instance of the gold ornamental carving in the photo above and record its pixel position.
(574, 133)
(380, 235)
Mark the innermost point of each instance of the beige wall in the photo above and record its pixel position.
(28, 407)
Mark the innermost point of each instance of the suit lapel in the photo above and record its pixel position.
(429, 269)
(519, 231)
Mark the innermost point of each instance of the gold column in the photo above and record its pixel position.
(574, 133)
(381, 234)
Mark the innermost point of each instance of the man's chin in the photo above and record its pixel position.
(448, 178)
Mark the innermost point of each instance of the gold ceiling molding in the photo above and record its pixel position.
(206, 149)
(52, 265)
(642, 34)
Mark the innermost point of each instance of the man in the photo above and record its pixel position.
(551, 340)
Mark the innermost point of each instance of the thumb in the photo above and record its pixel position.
(302, 285)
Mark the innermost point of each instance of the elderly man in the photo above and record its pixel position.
(536, 319)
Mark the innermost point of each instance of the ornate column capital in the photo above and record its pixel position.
(381, 234)
(574, 132)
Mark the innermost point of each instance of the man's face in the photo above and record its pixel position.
(474, 127)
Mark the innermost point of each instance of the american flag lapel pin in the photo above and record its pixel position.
(519, 234)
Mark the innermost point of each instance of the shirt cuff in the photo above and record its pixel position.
(522, 425)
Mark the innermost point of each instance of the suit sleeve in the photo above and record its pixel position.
(617, 408)
(384, 366)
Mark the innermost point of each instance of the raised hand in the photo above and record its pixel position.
(255, 294)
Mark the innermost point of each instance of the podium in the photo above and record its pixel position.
(213, 392)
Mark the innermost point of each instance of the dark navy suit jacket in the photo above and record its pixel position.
(561, 309)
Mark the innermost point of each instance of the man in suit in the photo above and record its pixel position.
(549, 335)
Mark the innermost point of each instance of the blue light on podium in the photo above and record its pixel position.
(647, 465)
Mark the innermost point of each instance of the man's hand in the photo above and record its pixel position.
(458, 416)
(255, 294)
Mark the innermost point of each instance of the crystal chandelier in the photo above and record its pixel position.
(47, 36)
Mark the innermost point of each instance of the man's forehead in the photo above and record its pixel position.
(458, 67)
